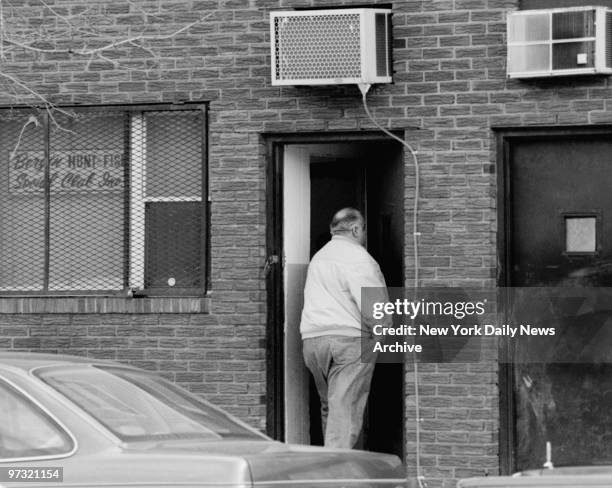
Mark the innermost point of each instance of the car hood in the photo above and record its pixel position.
(574, 477)
(274, 462)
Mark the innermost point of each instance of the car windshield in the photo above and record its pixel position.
(138, 406)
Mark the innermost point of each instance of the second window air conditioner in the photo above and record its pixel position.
(559, 42)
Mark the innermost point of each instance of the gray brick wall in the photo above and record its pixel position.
(449, 91)
(222, 362)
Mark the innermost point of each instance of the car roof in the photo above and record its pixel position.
(28, 360)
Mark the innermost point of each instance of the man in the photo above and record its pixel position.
(331, 327)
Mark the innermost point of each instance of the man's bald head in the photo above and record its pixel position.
(348, 222)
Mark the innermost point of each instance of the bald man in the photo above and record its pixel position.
(332, 331)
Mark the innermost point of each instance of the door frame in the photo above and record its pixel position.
(505, 138)
(273, 270)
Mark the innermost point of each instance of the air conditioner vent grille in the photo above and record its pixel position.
(318, 47)
(609, 40)
(383, 44)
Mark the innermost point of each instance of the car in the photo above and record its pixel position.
(567, 476)
(79, 422)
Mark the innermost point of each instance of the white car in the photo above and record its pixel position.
(76, 422)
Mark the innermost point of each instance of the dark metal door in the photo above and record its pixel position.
(558, 192)
(561, 196)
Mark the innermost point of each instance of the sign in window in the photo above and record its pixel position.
(103, 201)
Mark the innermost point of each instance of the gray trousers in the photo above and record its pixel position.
(343, 382)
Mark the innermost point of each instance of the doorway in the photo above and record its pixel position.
(555, 207)
(315, 178)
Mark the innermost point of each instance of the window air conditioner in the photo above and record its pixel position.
(559, 42)
(331, 47)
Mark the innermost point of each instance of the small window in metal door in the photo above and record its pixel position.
(581, 233)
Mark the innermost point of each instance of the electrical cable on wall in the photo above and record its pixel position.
(364, 88)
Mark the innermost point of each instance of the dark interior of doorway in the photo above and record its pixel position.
(374, 184)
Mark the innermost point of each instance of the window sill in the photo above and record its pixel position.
(94, 305)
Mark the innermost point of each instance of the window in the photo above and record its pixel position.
(26, 431)
(104, 200)
(580, 234)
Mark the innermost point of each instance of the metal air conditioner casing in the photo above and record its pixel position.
(331, 47)
(559, 42)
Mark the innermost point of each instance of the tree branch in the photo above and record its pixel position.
(85, 34)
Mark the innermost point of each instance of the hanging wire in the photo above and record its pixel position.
(364, 88)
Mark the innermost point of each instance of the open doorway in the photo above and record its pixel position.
(318, 179)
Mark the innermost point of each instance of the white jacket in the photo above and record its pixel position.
(332, 295)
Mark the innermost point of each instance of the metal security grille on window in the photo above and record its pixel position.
(318, 47)
(102, 201)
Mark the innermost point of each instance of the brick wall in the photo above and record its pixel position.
(219, 360)
(449, 92)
